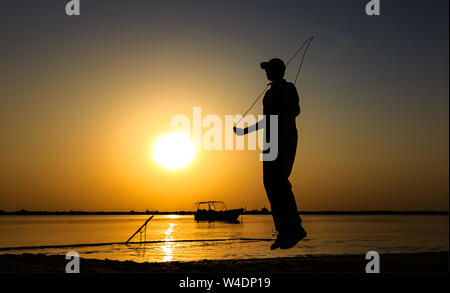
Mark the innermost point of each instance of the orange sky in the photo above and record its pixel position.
(79, 114)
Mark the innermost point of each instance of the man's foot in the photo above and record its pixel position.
(293, 240)
(276, 244)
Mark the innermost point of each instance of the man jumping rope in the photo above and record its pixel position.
(281, 99)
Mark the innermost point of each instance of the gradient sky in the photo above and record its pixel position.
(82, 99)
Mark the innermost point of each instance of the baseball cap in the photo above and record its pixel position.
(274, 64)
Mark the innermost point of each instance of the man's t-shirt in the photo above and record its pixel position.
(282, 100)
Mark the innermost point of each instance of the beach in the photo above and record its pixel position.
(408, 262)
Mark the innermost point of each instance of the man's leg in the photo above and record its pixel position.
(292, 219)
(291, 222)
(270, 185)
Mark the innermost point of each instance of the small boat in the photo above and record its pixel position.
(216, 211)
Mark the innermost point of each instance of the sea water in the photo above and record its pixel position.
(181, 238)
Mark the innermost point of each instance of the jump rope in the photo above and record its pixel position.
(306, 43)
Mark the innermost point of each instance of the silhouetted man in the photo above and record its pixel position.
(281, 99)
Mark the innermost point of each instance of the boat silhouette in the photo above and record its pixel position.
(216, 211)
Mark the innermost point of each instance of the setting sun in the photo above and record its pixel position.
(173, 151)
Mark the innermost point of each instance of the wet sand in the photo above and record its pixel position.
(414, 262)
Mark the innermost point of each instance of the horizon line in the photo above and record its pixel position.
(187, 212)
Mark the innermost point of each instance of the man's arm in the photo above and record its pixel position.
(257, 126)
(291, 105)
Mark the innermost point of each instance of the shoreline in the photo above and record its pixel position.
(406, 262)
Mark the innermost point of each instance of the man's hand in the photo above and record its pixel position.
(239, 131)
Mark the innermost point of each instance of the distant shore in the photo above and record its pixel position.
(251, 212)
(413, 262)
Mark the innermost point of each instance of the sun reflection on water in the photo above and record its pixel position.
(172, 216)
(168, 246)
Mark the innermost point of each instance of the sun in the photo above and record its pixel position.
(173, 151)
